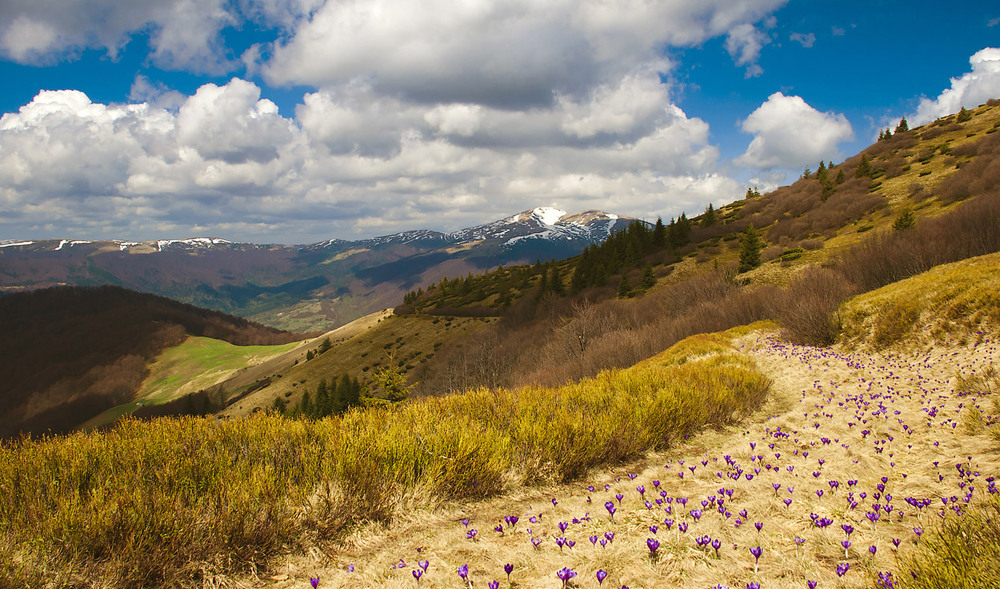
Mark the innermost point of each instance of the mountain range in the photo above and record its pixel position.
(307, 287)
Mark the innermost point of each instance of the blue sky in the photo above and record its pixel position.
(294, 121)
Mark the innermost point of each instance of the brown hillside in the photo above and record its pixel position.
(69, 353)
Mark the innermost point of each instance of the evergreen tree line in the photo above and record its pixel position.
(626, 248)
(332, 399)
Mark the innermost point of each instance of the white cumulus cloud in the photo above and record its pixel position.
(788, 133)
(507, 54)
(744, 43)
(969, 90)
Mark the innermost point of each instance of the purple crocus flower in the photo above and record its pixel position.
(417, 574)
(610, 506)
(601, 575)
(653, 544)
(508, 568)
(314, 581)
(842, 569)
(756, 552)
(565, 575)
(463, 571)
(494, 584)
(811, 584)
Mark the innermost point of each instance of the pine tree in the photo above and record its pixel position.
(624, 287)
(680, 232)
(556, 282)
(648, 278)
(841, 177)
(904, 220)
(322, 406)
(902, 127)
(309, 355)
(659, 234)
(963, 115)
(864, 169)
(389, 383)
(709, 218)
(881, 134)
(750, 245)
(543, 283)
(305, 405)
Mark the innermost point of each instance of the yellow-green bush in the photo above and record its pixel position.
(960, 553)
(150, 503)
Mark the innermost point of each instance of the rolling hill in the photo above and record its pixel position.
(69, 353)
(318, 286)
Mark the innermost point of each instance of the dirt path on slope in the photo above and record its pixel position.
(841, 434)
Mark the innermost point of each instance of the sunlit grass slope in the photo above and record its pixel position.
(153, 503)
(196, 364)
(952, 300)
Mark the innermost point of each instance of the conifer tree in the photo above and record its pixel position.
(543, 284)
(904, 220)
(648, 278)
(305, 405)
(841, 177)
(864, 169)
(659, 234)
(680, 232)
(963, 115)
(709, 218)
(902, 127)
(750, 245)
(322, 406)
(624, 287)
(556, 282)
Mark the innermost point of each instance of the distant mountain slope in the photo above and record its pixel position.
(301, 287)
(69, 353)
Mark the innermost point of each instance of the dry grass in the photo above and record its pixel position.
(954, 300)
(827, 402)
(176, 500)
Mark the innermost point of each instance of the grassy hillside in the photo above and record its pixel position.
(196, 364)
(67, 354)
(405, 343)
(958, 300)
(142, 503)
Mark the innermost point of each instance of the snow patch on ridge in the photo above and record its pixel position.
(548, 215)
